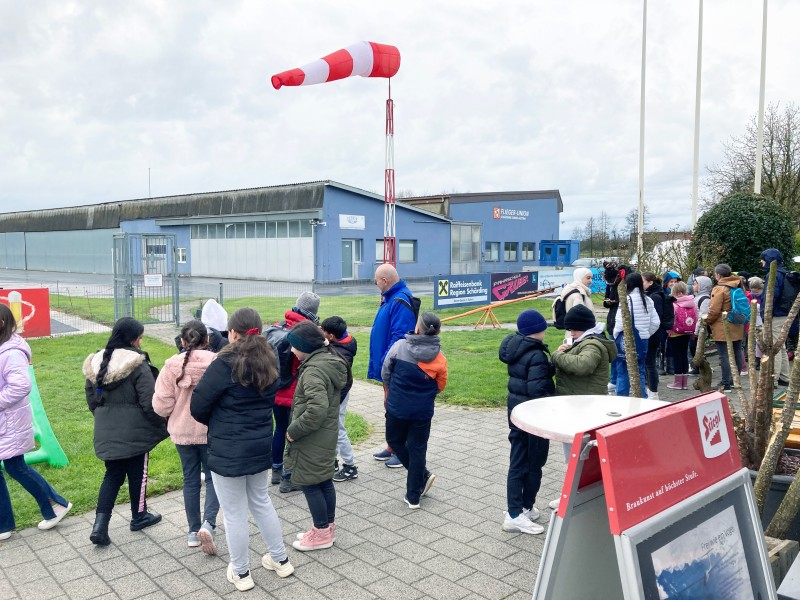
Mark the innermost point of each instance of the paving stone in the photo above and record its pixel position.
(413, 551)
(298, 591)
(134, 585)
(15, 552)
(41, 588)
(180, 583)
(344, 590)
(389, 587)
(487, 587)
(86, 587)
(453, 549)
(405, 570)
(440, 588)
(69, 570)
(449, 568)
(28, 571)
(360, 574)
(58, 553)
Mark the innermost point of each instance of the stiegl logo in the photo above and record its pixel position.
(713, 433)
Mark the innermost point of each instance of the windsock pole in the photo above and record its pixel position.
(389, 239)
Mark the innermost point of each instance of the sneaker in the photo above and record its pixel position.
(411, 505)
(276, 476)
(521, 524)
(532, 514)
(300, 535)
(744, 373)
(192, 540)
(61, 512)
(282, 569)
(428, 483)
(612, 388)
(553, 504)
(382, 455)
(394, 462)
(5, 535)
(346, 473)
(144, 520)
(206, 536)
(315, 539)
(783, 383)
(240, 582)
(335, 466)
(287, 486)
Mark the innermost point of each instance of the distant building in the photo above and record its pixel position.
(317, 231)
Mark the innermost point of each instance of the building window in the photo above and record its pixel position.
(181, 254)
(510, 251)
(305, 229)
(358, 250)
(406, 251)
(294, 229)
(528, 250)
(260, 231)
(283, 228)
(250, 230)
(492, 252)
(271, 229)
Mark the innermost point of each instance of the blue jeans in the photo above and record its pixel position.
(33, 482)
(724, 363)
(528, 456)
(282, 415)
(193, 458)
(623, 377)
(612, 372)
(409, 441)
(321, 498)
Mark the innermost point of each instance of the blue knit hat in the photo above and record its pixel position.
(530, 321)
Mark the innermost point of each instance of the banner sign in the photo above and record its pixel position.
(352, 221)
(461, 290)
(554, 278)
(508, 286)
(31, 310)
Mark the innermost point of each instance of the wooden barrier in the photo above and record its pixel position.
(488, 315)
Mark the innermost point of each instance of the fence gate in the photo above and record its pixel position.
(146, 277)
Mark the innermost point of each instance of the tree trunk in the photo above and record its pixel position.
(760, 426)
(699, 361)
(631, 358)
(751, 358)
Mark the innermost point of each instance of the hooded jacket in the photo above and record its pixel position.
(239, 420)
(780, 308)
(284, 397)
(721, 302)
(125, 424)
(583, 367)
(530, 374)
(702, 298)
(658, 295)
(314, 425)
(415, 370)
(16, 418)
(393, 320)
(347, 348)
(172, 398)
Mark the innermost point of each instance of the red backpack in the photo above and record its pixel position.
(685, 319)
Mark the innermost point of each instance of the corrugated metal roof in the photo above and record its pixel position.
(444, 200)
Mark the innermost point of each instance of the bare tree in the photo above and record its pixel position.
(632, 220)
(780, 174)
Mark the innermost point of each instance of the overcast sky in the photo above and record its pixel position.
(490, 96)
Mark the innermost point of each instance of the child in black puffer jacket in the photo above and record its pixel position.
(530, 375)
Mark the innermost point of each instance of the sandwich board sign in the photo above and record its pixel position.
(657, 506)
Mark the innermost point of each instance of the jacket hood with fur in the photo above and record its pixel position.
(123, 362)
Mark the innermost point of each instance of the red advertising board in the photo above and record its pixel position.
(652, 461)
(31, 309)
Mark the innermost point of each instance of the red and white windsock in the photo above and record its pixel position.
(366, 59)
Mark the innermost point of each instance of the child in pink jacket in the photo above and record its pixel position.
(172, 397)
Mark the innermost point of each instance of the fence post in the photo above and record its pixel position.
(221, 299)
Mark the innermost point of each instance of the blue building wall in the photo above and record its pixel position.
(181, 232)
(430, 233)
(511, 221)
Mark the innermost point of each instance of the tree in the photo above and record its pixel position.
(632, 220)
(738, 228)
(780, 172)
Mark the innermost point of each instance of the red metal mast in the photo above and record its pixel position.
(389, 239)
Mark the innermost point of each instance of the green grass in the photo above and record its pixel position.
(101, 310)
(58, 363)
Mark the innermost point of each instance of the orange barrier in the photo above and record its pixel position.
(488, 315)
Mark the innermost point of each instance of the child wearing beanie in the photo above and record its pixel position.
(530, 375)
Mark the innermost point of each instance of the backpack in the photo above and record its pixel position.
(560, 309)
(685, 319)
(413, 303)
(276, 336)
(739, 314)
(791, 287)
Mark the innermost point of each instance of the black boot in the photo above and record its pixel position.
(99, 533)
(144, 519)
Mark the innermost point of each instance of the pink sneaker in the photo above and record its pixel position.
(315, 539)
(333, 533)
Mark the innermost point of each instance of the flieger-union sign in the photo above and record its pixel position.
(510, 213)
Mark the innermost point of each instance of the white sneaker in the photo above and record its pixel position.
(612, 389)
(240, 582)
(5, 535)
(553, 504)
(532, 514)
(282, 570)
(651, 395)
(61, 512)
(521, 524)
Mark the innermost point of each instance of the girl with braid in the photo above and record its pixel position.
(119, 390)
(173, 395)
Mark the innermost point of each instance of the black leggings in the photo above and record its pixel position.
(135, 469)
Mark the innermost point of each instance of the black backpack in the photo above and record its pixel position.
(791, 287)
(560, 309)
(667, 314)
(412, 303)
(276, 336)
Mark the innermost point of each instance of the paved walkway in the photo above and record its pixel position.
(453, 548)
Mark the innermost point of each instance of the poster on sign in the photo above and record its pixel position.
(31, 310)
(509, 286)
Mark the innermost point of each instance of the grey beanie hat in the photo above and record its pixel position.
(308, 302)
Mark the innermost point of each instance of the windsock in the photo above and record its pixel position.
(366, 59)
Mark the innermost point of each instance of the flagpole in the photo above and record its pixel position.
(760, 137)
(640, 225)
(695, 166)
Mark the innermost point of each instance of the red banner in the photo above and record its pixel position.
(31, 310)
(655, 460)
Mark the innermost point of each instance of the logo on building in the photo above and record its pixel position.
(514, 214)
(713, 431)
(496, 212)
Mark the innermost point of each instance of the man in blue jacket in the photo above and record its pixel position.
(780, 309)
(394, 319)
